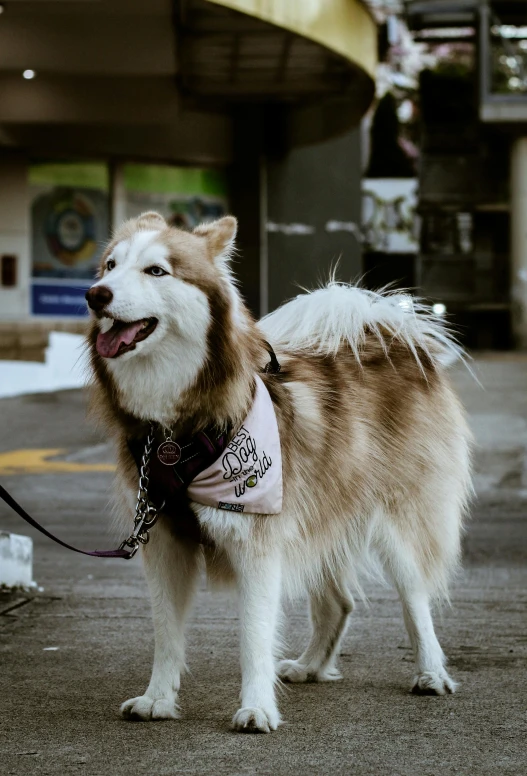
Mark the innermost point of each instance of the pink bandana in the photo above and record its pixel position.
(247, 477)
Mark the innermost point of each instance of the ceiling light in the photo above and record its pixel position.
(439, 309)
(28, 74)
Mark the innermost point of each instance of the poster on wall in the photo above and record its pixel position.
(389, 220)
(69, 227)
(70, 220)
(185, 196)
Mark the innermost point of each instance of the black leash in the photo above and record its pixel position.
(15, 506)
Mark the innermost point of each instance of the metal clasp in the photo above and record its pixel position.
(133, 546)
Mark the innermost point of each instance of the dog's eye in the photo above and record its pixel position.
(157, 272)
(110, 264)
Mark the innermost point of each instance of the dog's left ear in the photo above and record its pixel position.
(220, 236)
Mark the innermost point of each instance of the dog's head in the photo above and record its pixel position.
(155, 281)
(164, 305)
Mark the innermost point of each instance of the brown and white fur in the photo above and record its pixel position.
(374, 443)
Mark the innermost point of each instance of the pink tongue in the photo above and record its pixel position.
(108, 342)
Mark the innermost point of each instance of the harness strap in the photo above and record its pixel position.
(15, 506)
(169, 483)
(274, 365)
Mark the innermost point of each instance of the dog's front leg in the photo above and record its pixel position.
(171, 570)
(258, 580)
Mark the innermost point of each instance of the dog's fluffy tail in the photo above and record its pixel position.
(322, 320)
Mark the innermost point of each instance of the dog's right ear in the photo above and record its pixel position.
(150, 220)
(220, 236)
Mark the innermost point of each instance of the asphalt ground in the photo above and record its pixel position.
(72, 652)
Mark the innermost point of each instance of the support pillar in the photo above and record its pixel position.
(519, 241)
(248, 200)
(314, 203)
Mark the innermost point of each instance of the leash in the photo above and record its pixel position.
(15, 506)
(146, 513)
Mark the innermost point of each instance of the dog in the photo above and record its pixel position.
(374, 447)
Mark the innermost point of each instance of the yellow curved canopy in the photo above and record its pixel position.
(343, 26)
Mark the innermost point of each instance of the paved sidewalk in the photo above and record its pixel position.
(73, 652)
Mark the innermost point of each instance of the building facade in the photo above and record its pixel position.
(193, 108)
(473, 165)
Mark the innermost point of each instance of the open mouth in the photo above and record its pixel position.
(124, 336)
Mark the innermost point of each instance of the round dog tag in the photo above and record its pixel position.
(169, 453)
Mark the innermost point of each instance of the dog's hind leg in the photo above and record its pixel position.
(414, 588)
(171, 570)
(330, 609)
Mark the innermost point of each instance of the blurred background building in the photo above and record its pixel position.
(453, 106)
(189, 107)
(411, 172)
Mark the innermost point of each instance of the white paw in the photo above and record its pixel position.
(253, 720)
(294, 671)
(432, 683)
(144, 708)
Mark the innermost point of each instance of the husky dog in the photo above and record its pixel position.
(374, 445)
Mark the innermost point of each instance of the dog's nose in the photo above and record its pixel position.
(98, 297)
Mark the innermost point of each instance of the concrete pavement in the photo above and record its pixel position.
(70, 654)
